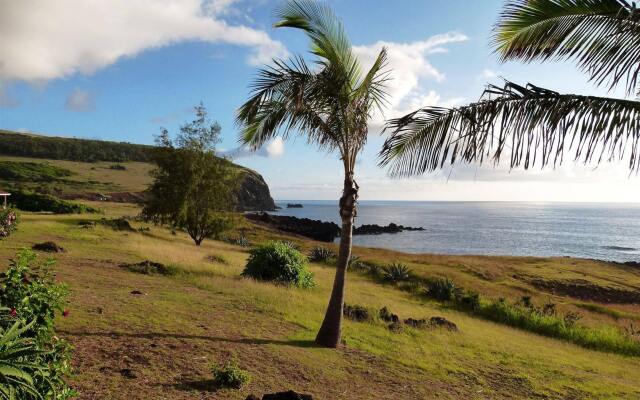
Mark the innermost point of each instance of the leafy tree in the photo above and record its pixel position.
(192, 188)
(530, 123)
(330, 104)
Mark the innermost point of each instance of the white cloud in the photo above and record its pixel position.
(489, 74)
(43, 40)
(410, 65)
(273, 149)
(80, 100)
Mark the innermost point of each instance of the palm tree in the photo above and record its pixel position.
(329, 103)
(529, 123)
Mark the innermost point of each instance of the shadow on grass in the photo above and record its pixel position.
(202, 385)
(158, 335)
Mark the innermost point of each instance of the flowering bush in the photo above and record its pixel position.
(8, 221)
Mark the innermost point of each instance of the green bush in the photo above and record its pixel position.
(37, 202)
(16, 171)
(230, 375)
(32, 298)
(277, 262)
(442, 289)
(321, 254)
(8, 221)
(396, 272)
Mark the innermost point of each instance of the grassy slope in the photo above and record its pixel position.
(95, 177)
(170, 336)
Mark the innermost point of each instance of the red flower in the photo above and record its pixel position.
(65, 313)
(13, 312)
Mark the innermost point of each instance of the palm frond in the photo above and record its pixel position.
(529, 123)
(328, 36)
(372, 89)
(601, 36)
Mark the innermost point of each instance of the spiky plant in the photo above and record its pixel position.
(396, 272)
(330, 104)
(18, 364)
(321, 254)
(529, 124)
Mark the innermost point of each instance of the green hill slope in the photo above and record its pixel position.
(89, 169)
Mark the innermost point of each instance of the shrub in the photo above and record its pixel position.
(17, 171)
(118, 167)
(321, 254)
(291, 244)
(230, 375)
(31, 295)
(118, 224)
(442, 289)
(467, 299)
(8, 222)
(396, 272)
(151, 268)
(37, 202)
(275, 261)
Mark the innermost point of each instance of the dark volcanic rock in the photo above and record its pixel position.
(294, 205)
(377, 229)
(49, 247)
(253, 193)
(441, 322)
(290, 395)
(314, 229)
(356, 313)
(387, 315)
(416, 323)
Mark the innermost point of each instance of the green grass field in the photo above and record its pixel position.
(171, 335)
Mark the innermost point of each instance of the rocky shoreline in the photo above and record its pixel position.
(321, 230)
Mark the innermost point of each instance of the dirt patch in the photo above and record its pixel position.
(585, 290)
(49, 247)
(115, 197)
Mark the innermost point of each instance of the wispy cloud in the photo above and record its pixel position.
(275, 148)
(411, 67)
(80, 100)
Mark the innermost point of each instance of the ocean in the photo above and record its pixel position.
(585, 230)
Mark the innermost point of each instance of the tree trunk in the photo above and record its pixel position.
(329, 333)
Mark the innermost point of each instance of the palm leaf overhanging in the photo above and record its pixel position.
(532, 124)
(601, 36)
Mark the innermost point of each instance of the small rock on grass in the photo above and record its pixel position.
(290, 395)
(49, 247)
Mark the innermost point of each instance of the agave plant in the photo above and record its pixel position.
(396, 272)
(321, 254)
(18, 368)
(529, 124)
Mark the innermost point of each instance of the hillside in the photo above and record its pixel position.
(161, 344)
(95, 169)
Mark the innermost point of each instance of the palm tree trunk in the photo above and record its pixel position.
(329, 333)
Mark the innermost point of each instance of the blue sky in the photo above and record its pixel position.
(122, 69)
